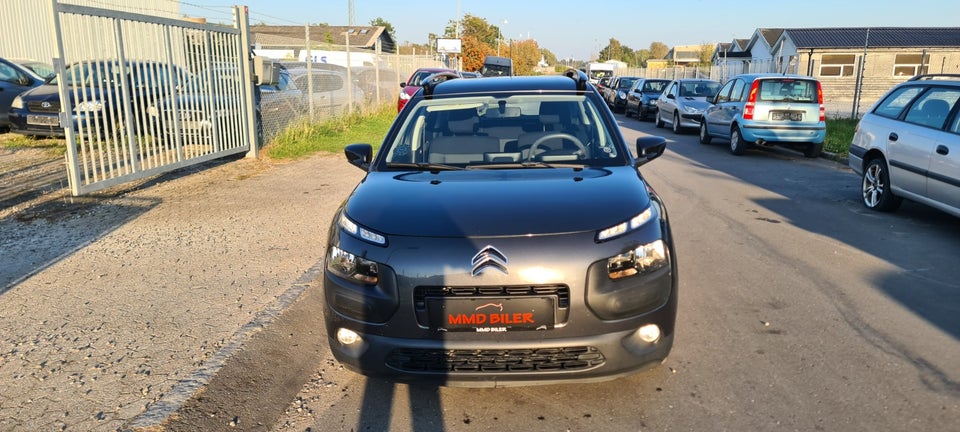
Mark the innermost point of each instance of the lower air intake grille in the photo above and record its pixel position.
(494, 360)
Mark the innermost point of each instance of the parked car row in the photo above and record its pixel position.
(907, 146)
(748, 110)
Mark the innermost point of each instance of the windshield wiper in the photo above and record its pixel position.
(424, 166)
(528, 164)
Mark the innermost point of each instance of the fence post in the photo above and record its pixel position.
(243, 24)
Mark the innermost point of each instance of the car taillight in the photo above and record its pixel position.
(751, 101)
(823, 111)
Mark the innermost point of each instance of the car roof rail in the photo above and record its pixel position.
(578, 77)
(430, 82)
(933, 76)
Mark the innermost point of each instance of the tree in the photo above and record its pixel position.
(658, 50)
(642, 55)
(706, 54)
(380, 22)
(525, 55)
(473, 51)
(548, 56)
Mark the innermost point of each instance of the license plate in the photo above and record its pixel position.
(786, 115)
(491, 315)
(43, 120)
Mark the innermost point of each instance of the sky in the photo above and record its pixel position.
(579, 29)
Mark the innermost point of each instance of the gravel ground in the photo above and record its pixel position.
(115, 308)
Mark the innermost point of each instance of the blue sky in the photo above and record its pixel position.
(578, 29)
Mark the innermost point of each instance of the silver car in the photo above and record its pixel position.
(908, 146)
(681, 105)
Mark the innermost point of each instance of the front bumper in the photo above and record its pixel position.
(589, 337)
(690, 120)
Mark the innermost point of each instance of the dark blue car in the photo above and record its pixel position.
(98, 91)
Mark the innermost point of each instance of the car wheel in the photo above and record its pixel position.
(659, 121)
(737, 145)
(641, 114)
(875, 187)
(705, 138)
(676, 123)
(813, 150)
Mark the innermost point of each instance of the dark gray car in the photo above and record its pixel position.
(503, 235)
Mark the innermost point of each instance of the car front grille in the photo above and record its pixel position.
(495, 360)
(44, 107)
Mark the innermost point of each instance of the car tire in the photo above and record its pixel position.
(659, 121)
(676, 124)
(875, 188)
(705, 138)
(813, 150)
(737, 145)
(641, 115)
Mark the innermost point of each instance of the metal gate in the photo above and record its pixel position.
(140, 95)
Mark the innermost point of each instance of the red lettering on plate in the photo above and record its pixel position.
(464, 319)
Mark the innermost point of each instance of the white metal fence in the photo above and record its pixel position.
(140, 95)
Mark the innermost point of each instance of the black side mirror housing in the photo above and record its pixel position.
(359, 155)
(649, 148)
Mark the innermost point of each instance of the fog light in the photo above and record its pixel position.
(349, 337)
(649, 333)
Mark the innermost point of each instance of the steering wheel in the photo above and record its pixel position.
(581, 149)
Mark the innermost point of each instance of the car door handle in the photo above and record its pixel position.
(893, 136)
(942, 149)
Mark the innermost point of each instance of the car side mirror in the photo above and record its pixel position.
(403, 84)
(359, 155)
(671, 96)
(649, 148)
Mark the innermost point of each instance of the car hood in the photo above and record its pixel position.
(46, 92)
(699, 103)
(497, 202)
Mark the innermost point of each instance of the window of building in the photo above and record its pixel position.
(908, 65)
(837, 65)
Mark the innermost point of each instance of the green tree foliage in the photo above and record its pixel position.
(548, 56)
(658, 50)
(706, 54)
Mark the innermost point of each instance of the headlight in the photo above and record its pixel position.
(360, 232)
(622, 94)
(17, 103)
(404, 96)
(625, 227)
(644, 259)
(350, 266)
(690, 110)
(93, 105)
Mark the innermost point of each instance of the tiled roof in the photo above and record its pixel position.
(771, 35)
(880, 37)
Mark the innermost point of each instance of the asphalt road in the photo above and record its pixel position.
(800, 310)
(190, 302)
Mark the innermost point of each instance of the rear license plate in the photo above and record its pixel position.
(43, 120)
(491, 315)
(786, 115)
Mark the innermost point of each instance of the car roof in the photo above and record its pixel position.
(753, 76)
(507, 84)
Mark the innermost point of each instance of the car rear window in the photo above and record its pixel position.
(788, 90)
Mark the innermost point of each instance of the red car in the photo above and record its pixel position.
(413, 84)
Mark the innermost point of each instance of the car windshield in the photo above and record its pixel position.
(42, 70)
(788, 90)
(504, 131)
(654, 86)
(699, 89)
(626, 82)
(419, 76)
